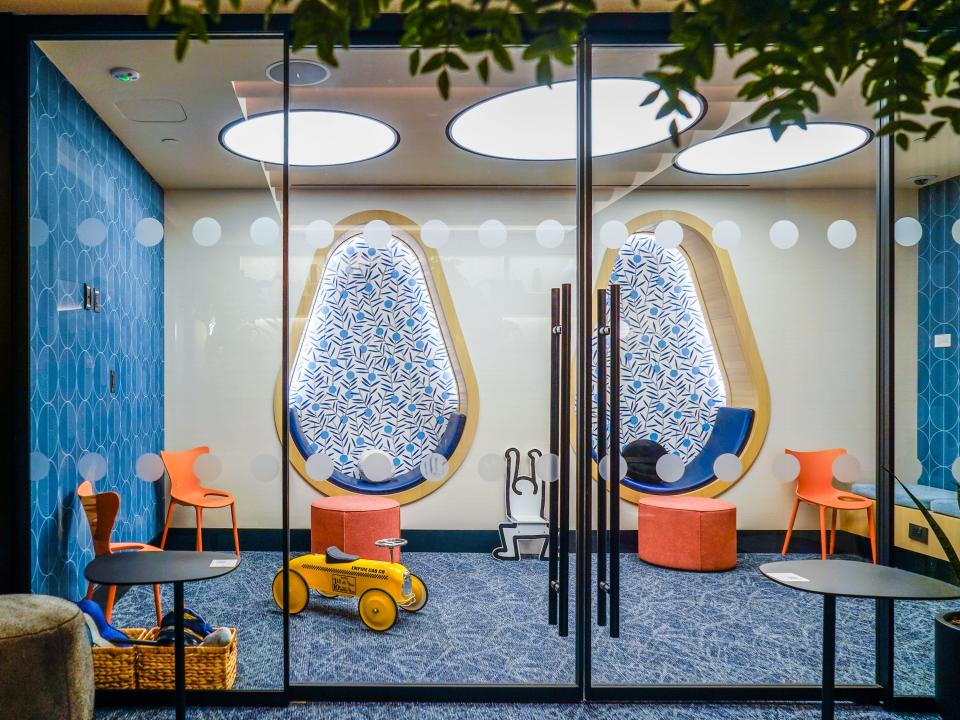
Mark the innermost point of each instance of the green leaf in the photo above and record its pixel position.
(443, 84)
(544, 71)
(414, 61)
(483, 70)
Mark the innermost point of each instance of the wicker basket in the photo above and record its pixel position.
(207, 668)
(114, 668)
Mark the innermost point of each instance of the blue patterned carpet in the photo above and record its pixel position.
(486, 623)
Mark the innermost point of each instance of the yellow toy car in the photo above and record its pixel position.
(381, 586)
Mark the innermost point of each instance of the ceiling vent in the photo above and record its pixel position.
(156, 110)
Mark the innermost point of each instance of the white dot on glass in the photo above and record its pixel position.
(207, 467)
(492, 468)
(912, 470)
(955, 231)
(613, 234)
(670, 468)
(265, 467)
(434, 467)
(784, 234)
(625, 329)
(319, 234)
(603, 467)
(377, 234)
(955, 469)
(846, 469)
(149, 467)
(39, 466)
(547, 467)
(842, 234)
(549, 234)
(492, 234)
(786, 468)
(92, 466)
(907, 231)
(727, 467)
(264, 231)
(434, 233)
(149, 232)
(376, 466)
(206, 232)
(320, 466)
(669, 234)
(726, 234)
(92, 232)
(39, 232)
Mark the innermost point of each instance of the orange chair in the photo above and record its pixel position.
(101, 510)
(815, 486)
(185, 489)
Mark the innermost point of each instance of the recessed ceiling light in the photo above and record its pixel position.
(540, 123)
(747, 152)
(303, 73)
(317, 137)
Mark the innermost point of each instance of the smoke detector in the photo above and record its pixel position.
(922, 180)
(124, 74)
(302, 73)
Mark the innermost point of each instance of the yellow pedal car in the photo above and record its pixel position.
(381, 586)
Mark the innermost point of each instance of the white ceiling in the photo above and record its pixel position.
(217, 82)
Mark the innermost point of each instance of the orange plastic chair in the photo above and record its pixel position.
(101, 510)
(815, 486)
(185, 489)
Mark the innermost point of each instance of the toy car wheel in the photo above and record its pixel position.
(419, 592)
(378, 611)
(299, 591)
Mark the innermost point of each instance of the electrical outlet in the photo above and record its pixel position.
(113, 382)
(918, 533)
(87, 296)
(96, 300)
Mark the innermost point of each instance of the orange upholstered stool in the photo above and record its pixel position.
(687, 533)
(353, 523)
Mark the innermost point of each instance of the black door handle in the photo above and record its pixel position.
(559, 520)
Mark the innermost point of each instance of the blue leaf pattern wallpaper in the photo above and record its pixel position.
(670, 384)
(80, 171)
(373, 370)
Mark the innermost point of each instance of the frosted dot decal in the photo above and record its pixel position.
(603, 468)
(265, 467)
(39, 232)
(319, 234)
(264, 231)
(39, 466)
(784, 234)
(786, 468)
(492, 234)
(846, 469)
(955, 231)
(434, 467)
(547, 467)
(726, 234)
(670, 468)
(91, 232)
(207, 467)
(149, 467)
(549, 234)
(669, 234)
(376, 466)
(206, 232)
(955, 469)
(320, 466)
(434, 233)
(842, 234)
(625, 329)
(613, 234)
(377, 234)
(727, 467)
(492, 467)
(907, 231)
(912, 470)
(149, 232)
(92, 466)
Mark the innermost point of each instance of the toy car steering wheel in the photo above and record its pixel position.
(390, 543)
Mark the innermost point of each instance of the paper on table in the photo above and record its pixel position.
(789, 577)
(231, 562)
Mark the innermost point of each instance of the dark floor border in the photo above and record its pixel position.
(859, 694)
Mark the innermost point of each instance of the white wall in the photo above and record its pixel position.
(812, 308)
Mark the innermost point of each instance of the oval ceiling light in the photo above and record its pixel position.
(317, 137)
(540, 122)
(748, 152)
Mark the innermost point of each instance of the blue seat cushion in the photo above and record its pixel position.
(946, 506)
(924, 493)
(730, 432)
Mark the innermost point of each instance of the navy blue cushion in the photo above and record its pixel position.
(730, 432)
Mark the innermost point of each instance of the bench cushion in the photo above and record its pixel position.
(946, 507)
(924, 493)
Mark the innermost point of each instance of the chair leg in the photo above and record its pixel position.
(111, 597)
(872, 531)
(823, 532)
(793, 517)
(166, 526)
(199, 530)
(833, 531)
(156, 602)
(89, 595)
(236, 535)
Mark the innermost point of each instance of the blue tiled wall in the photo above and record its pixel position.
(80, 170)
(938, 311)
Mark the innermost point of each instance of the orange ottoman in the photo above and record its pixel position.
(353, 523)
(687, 533)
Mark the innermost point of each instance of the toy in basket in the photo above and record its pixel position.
(381, 586)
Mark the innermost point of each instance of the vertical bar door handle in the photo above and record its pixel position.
(553, 483)
(614, 462)
(565, 412)
(601, 448)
